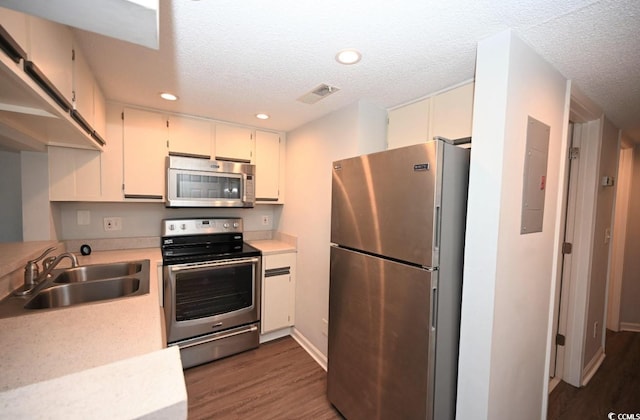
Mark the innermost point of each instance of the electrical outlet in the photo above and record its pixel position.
(112, 223)
(325, 327)
(266, 220)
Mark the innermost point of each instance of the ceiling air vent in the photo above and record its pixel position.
(318, 93)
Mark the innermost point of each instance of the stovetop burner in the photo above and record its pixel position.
(203, 239)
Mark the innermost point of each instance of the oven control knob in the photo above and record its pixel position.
(172, 227)
(183, 226)
(226, 225)
(236, 224)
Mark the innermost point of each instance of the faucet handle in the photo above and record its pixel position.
(31, 270)
(46, 263)
(46, 251)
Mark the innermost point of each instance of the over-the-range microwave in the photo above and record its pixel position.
(202, 182)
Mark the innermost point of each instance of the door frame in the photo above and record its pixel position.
(570, 297)
(619, 235)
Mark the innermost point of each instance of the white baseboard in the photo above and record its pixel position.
(553, 383)
(313, 351)
(630, 326)
(592, 366)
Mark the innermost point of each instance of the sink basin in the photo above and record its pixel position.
(98, 272)
(85, 284)
(73, 294)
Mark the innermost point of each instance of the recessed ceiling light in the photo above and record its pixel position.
(262, 116)
(168, 96)
(348, 56)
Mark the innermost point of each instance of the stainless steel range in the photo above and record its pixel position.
(211, 288)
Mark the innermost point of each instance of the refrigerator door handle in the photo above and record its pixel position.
(434, 307)
(436, 236)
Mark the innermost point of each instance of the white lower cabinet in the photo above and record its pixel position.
(278, 291)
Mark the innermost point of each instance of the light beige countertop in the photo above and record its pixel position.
(59, 346)
(272, 246)
(14, 255)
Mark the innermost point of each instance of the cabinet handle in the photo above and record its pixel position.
(38, 76)
(11, 47)
(281, 271)
(144, 196)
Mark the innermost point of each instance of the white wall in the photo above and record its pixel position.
(356, 129)
(38, 221)
(10, 197)
(508, 277)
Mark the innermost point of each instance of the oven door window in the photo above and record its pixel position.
(202, 293)
(195, 186)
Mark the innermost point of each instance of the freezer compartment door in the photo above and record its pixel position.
(386, 203)
(381, 338)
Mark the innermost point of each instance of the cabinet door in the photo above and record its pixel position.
(112, 154)
(190, 136)
(233, 143)
(409, 124)
(16, 24)
(51, 46)
(267, 161)
(99, 112)
(278, 297)
(83, 82)
(452, 113)
(144, 151)
(74, 174)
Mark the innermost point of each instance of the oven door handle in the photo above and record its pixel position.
(218, 336)
(220, 263)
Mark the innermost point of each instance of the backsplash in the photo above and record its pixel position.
(85, 220)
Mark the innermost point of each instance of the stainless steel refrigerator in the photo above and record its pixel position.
(397, 233)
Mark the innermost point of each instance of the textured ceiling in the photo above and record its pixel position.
(230, 59)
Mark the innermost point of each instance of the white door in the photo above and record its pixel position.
(557, 345)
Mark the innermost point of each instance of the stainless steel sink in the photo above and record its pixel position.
(98, 272)
(91, 291)
(81, 285)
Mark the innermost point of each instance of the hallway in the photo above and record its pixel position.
(615, 388)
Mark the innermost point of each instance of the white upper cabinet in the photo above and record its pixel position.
(449, 115)
(233, 142)
(15, 23)
(267, 161)
(46, 83)
(88, 98)
(409, 124)
(51, 46)
(145, 137)
(452, 113)
(74, 174)
(191, 136)
(83, 82)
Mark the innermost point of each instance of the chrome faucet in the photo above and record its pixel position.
(32, 275)
(31, 270)
(50, 263)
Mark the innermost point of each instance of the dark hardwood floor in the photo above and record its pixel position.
(615, 388)
(279, 380)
